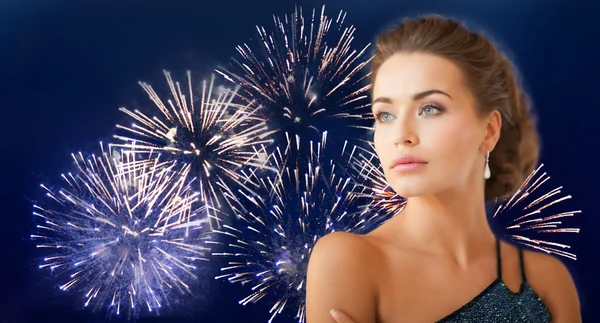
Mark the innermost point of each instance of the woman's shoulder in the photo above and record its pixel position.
(354, 254)
(541, 265)
(550, 273)
(342, 248)
(552, 281)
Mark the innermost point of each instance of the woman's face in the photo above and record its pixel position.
(424, 109)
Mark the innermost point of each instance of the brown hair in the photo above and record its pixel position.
(493, 81)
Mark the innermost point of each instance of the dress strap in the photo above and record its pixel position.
(522, 263)
(499, 259)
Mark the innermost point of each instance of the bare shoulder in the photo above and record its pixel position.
(342, 246)
(342, 254)
(551, 279)
(548, 271)
(339, 277)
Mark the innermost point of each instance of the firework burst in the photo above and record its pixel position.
(211, 139)
(529, 211)
(124, 234)
(306, 73)
(268, 247)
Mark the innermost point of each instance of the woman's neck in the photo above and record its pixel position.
(451, 224)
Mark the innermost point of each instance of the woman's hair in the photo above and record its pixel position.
(493, 82)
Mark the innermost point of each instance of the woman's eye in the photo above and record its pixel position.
(383, 116)
(430, 110)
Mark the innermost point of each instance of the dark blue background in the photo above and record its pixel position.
(67, 66)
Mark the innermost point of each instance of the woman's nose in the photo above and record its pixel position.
(406, 134)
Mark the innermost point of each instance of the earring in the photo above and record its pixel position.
(487, 173)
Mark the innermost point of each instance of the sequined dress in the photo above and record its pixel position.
(499, 304)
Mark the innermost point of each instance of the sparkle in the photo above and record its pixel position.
(530, 212)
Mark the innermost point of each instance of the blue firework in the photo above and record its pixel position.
(307, 73)
(277, 225)
(210, 135)
(124, 234)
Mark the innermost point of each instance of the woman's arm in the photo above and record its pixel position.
(339, 278)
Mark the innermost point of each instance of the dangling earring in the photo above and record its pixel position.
(487, 173)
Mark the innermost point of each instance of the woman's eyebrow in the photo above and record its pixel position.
(416, 97)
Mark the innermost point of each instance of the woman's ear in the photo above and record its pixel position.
(492, 130)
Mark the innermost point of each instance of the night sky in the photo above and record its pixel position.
(67, 66)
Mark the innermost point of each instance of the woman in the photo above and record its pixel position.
(452, 131)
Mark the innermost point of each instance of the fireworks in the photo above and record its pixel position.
(383, 201)
(278, 226)
(306, 73)
(527, 213)
(123, 233)
(210, 139)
